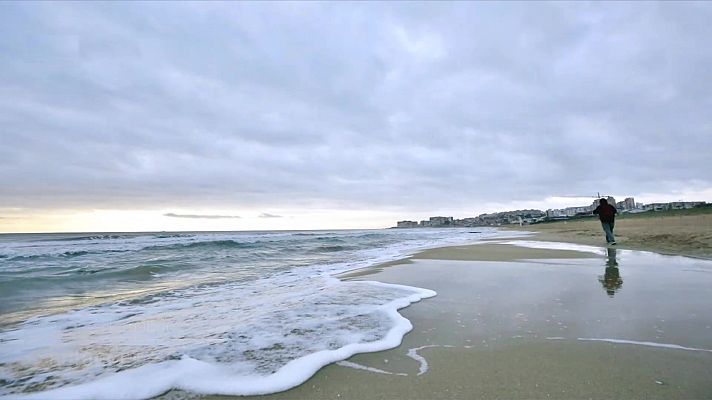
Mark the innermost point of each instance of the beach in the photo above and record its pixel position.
(312, 200)
(85, 314)
(481, 314)
(538, 317)
(682, 232)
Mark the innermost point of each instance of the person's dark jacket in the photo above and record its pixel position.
(605, 211)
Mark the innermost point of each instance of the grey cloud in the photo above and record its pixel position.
(267, 215)
(349, 105)
(200, 216)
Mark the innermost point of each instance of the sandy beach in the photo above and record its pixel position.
(532, 318)
(667, 233)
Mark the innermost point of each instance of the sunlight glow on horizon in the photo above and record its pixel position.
(156, 220)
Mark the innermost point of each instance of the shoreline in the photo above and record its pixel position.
(511, 321)
(520, 316)
(514, 321)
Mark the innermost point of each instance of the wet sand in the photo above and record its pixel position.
(514, 322)
(497, 252)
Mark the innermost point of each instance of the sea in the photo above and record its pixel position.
(134, 315)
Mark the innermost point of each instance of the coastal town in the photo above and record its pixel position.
(526, 217)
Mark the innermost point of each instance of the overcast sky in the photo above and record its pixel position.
(232, 112)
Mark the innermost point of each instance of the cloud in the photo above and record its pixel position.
(266, 215)
(396, 106)
(204, 216)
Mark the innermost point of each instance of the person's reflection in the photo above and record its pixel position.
(611, 281)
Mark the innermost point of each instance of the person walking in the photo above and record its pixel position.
(607, 215)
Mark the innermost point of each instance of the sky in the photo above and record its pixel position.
(288, 115)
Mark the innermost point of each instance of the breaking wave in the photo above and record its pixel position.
(214, 313)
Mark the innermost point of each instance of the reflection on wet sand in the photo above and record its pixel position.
(611, 281)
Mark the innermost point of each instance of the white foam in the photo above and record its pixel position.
(206, 326)
(349, 364)
(413, 353)
(533, 244)
(649, 344)
(210, 341)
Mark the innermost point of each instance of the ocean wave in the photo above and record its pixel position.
(331, 239)
(247, 306)
(216, 341)
(136, 271)
(74, 253)
(371, 235)
(92, 237)
(82, 275)
(139, 272)
(331, 249)
(173, 235)
(208, 244)
(63, 255)
(66, 254)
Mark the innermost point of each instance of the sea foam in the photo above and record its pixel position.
(223, 340)
(217, 313)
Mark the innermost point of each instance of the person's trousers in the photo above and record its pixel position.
(608, 228)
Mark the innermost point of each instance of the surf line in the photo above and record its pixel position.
(413, 353)
(354, 365)
(649, 344)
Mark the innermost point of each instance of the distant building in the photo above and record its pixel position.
(574, 211)
(511, 217)
(657, 207)
(555, 213)
(626, 205)
(488, 219)
(675, 205)
(437, 222)
(467, 222)
(534, 216)
(682, 205)
(407, 224)
(629, 203)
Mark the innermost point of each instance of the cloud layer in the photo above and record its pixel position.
(267, 215)
(200, 216)
(385, 106)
